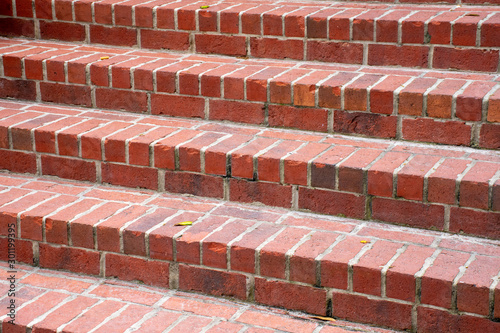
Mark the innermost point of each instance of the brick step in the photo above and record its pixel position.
(47, 300)
(390, 276)
(444, 188)
(416, 105)
(439, 37)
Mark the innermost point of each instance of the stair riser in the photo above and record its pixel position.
(335, 177)
(367, 36)
(223, 254)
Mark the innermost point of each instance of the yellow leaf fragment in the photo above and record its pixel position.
(204, 7)
(105, 57)
(323, 318)
(184, 223)
(364, 242)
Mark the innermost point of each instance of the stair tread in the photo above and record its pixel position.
(379, 263)
(49, 300)
(310, 96)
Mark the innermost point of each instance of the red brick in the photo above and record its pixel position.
(121, 72)
(400, 277)
(18, 89)
(412, 28)
(234, 83)
(469, 102)
(251, 19)
(114, 144)
(229, 18)
(243, 251)
(269, 162)
(304, 89)
(14, 27)
(363, 27)
(56, 226)
(356, 93)
(195, 184)
(380, 175)
(280, 87)
(207, 18)
(17, 161)
(339, 24)
(373, 311)
(295, 164)
(465, 59)
(387, 26)
(150, 272)
(306, 119)
(83, 11)
(198, 307)
(323, 167)
(212, 282)
(439, 27)
(478, 223)
(64, 314)
(332, 202)
(473, 288)
(177, 106)
(351, 171)
(441, 183)
(130, 176)
(186, 17)
(220, 44)
(410, 182)
(365, 124)
(303, 262)
(214, 247)
(274, 321)
(138, 147)
(164, 150)
(474, 185)
(242, 158)
(159, 322)
(438, 279)
(434, 320)
(118, 36)
(210, 81)
(72, 259)
(94, 316)
(291, 296)
(393, 55)
(411, 98)
(266, 47)
(409, 213)
(65, 94)
(449, 132)
(256, 84)
(216, 156)
(489, 137)
(131, 315)
(63, 10)
(68, 168)
(440, 99)
(55, 65)
(63, 31)
(6, 8)
(103, 12)
(144, 13)
(77, 68)
(12, 62)
(490, 30)
(272, 21)
(225, 327)
(465, 29)
(24, 252)
(494, 107)
(250, 113)
(349, 53)
(31, 311)
(367, 272)
(133, 101)
(266, 193)
(91, 141)
(161, 239)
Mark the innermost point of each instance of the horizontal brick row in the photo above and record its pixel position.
(48, 300)
(440, 188)
(462, 109)
(256, 254)
(385, 35)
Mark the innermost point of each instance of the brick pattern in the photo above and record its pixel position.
(375, 34)
(330, 98)
(402, 184)
(384, 270)
(74, 303)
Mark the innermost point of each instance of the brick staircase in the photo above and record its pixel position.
(336, 158)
